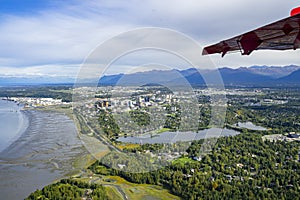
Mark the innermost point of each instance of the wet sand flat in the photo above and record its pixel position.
(45, 152)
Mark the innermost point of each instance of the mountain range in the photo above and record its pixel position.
(243, 76)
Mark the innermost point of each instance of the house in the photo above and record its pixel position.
(293, 135)
(121, 166)
(240, 165)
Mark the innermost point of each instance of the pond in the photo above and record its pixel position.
(250, 126)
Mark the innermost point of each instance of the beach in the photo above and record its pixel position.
(42, 151)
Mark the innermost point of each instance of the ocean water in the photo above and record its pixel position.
(12, 123)
(39, 147)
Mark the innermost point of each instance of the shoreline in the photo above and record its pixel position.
(23, 124)
(46, 151)
(25, 121)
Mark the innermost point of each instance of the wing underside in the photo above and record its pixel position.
(281, 35)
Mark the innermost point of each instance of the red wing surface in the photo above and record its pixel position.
(281, 35)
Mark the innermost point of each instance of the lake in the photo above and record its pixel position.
(251, 126)
(171, 137)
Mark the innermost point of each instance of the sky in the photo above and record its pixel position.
(54, 37)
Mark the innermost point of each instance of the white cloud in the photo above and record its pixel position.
(41, 70)
(67, 34)
(54, 37)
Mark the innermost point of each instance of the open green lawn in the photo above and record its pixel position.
(142, 191)
(113, 193)
(133, 191)
(183, 161)
(163, 130)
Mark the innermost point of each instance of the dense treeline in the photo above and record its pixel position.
(108, 124)
(282, 118)
(140, 116)
(265, 110)
(240, 167)
(173, 117)
(70, 189)
(279, 118)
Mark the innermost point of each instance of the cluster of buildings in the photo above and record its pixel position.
(119, 100)
(119, 104)
(36, 102)
(122, 99)
(289, 137)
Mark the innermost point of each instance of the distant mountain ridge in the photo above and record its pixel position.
(273, 71)
(291, 78)
(255, 75)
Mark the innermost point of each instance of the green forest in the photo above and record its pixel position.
(240, 167)
(68, 189)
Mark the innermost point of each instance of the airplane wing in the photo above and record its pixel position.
(281, 35)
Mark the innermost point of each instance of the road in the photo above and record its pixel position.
(99, 137)
(119, 189)
(111, 147)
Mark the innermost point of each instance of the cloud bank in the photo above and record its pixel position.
(54, 40)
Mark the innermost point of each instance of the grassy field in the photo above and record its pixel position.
(117, 187)
(113, 193)
(127, 146)
(141, 191)
(163, 130)
(183, 161)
